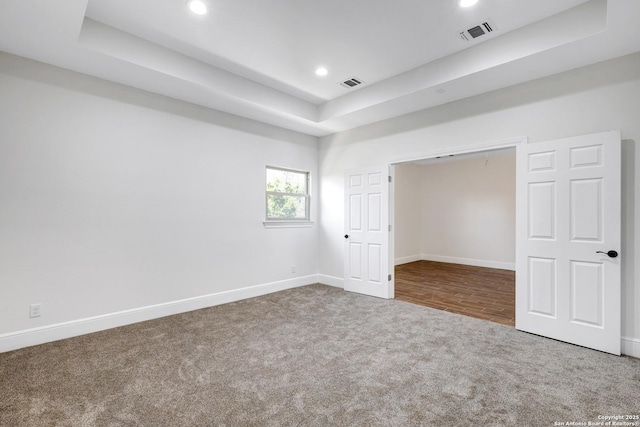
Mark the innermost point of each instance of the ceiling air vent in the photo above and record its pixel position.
(352, 82)
(477, 31)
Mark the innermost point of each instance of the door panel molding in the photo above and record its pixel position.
(366, 265)
(570, 229)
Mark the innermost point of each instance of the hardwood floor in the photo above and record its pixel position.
(484, 293)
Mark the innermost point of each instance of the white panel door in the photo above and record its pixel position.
(366, 266)
(568, 221)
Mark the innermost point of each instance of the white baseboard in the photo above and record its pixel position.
(44, 334)
(631, 347)
(337, 282)
(470, 261)
(407, 259)
(29, 337)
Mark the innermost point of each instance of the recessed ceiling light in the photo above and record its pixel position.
(321, 72)
(467, 3)
(198, 7)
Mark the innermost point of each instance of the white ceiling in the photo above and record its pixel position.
(256, 58)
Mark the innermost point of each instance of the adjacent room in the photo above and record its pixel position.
(203, 202)
(455, 233)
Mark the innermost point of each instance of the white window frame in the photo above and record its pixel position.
(289, 222)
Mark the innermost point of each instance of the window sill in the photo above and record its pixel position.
(288, 224)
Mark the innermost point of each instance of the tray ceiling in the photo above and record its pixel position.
(258, 59)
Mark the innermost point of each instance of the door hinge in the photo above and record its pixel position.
(389, 178)
(389, 227)
(389, 277)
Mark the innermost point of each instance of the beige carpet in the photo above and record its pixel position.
(314, 356)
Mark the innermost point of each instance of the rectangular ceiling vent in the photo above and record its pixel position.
(477, 31)
(352, 82)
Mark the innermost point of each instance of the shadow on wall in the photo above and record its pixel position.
(59, 77)
(560, 85)
(629, 310)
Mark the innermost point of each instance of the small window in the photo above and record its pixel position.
(287, 195)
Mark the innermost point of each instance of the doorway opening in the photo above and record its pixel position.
(454, 233)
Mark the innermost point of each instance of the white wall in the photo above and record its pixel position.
(597, 98)
(465, 211)
(114, 199)
(408, 221)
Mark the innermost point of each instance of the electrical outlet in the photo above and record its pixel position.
(293, 268)
(34, 310)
